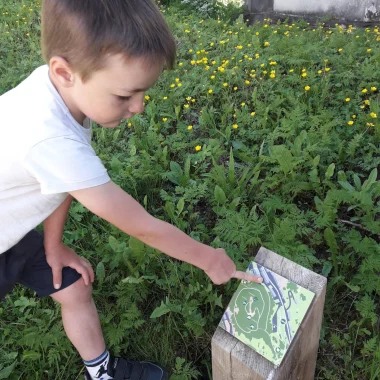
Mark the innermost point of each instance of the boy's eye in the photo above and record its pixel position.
(123, 98)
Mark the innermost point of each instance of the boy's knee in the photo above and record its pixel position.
(74, 294)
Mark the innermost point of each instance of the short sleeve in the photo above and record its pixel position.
(64, 164)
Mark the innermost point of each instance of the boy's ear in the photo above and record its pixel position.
(62, 72)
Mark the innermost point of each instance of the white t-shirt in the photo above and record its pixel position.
(44, 154)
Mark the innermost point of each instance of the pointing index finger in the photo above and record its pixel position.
(247, 276)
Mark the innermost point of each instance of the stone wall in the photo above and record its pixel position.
(342, 10)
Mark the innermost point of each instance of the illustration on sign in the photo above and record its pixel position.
(266, 316)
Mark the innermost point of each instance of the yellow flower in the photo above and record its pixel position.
(304, 75)
(373, 115)
(273, 76)
(369, 50)
(190, 127)
(327, 69)
(180, 64)
(129, 124)
(307, 88)
(291, 71)
(179, 84)
(191, 50)
(172, 85)
(350, 122)
(188, 98)
(340, 50)
(253, 114)
(239, 47)
(177, 80)
(266, 44)
(319, 71)
(212, 76)
(373, 88)
(147, 97)
(165, 97)
(193, 100)
(225, 84)
(186, 106)
(198, 148)
(164, 119)
(242, 104)
(235, 88)
(262, 65)
(192, 62)
(364, 91)
(257, 56)
(325, 60)
(235, 126)
(210, 91)
(367, 102)
(347, 100)
(247, 82)
(370, 125)
(273, 63)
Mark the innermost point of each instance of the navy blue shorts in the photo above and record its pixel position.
(26, 264)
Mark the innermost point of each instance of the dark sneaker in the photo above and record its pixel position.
(121, 369)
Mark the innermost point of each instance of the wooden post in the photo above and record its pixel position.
(233, 360)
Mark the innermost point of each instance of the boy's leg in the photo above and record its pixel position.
(80, 319)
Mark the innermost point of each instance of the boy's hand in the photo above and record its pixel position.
(223, 269)
(62, 256)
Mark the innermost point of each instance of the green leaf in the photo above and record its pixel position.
(7, 371)
(161, 310)
(100, 272)
(180, 205)
(346, 186)
(330, 171)
(354, 288)
(30, 355)
(169, 208)
(231, 168)
(371, 180)
(284, 158)
(131, 280)
(219, 194)
(330, 240)
(327, 266)
(316, 161)
(137, 247)
(116, 165)
(358, 183)
(113, 243)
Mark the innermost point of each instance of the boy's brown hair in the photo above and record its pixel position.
(85, 32)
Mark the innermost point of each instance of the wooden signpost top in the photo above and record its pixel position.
(233, 360)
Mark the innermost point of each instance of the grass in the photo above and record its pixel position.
(261, 135)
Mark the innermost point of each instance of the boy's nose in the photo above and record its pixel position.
(136, 107)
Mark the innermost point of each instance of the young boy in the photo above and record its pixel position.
(101, 55)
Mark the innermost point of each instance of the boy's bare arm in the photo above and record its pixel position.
(58, 255)
(116, 206)
(55, 223)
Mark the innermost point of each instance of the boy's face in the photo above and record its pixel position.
(115, 92)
